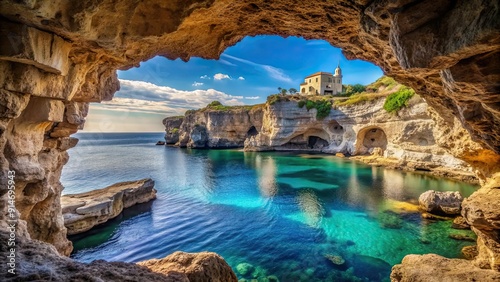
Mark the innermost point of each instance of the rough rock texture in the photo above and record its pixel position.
(209, 128)
(434, 268)
(406, 140)
(39, 261)
(172, 125)
(187, 267)
(83, 211)
(58, 56)
(441, 202)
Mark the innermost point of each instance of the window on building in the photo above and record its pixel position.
(316, 79)
(329, 79)
(309, 80)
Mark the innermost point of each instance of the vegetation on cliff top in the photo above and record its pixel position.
(218, 106)
(398, 100)
(323, 107)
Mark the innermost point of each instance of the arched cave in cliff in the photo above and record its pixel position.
(337, 131)
(252, 131)
(369, 138)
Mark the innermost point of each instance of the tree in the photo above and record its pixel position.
(283, 91)
(292, 90)
(279, 89)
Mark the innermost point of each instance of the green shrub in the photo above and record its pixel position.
(399, 99)
(174, 131)
(323, 107)
(386, 81)
(355, 99)
(310, 105)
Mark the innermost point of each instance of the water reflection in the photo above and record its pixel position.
(311, 206)
(266, 172)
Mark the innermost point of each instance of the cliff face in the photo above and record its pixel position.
(56, 57)
(211, 128)
(407, 138)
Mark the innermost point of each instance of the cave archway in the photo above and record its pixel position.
(370, 138)
(87, 46)
(337, 131)
(252, 131)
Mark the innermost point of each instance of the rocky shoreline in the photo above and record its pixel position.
(407, 140)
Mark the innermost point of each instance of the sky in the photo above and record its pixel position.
(245, 74)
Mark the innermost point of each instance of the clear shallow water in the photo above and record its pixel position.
(280, 212)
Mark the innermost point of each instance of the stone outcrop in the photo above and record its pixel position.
(58, 57)
(405, 140)
(185, 267)
(212, 128)
(83, 211)
(39, 261)
(434, 268)
(172, 125)
(441, 202)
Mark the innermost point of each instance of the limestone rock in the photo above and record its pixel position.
(244, 268)
(83, 211)
(39, 261)
(481, 209)
(460, 223)
(203, 266)
(488, 248)
(441, 202)
(434, 268)
(172, 125)
(469, 252)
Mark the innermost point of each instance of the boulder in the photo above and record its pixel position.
(191, 267)
(244, 269)
(441, 202)
(83, 211)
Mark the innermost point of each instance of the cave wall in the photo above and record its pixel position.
(56, 56)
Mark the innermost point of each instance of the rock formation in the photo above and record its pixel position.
(56, 57)
(441, 202)
(405, 140)
(83, 211)
(212, 128)
(434, 268)
(187, 267)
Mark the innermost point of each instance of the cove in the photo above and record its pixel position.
(280, 212)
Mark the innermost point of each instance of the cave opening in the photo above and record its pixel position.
(315, 142)
(370, 138)
(252, 131)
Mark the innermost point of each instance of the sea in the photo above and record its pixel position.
(271, 215)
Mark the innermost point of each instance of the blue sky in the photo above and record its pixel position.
(245, 74)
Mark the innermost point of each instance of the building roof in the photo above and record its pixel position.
(319, 73)
(303, 83)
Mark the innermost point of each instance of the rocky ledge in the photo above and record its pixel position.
(83, 211)
(431, 267)
(185, 267)
(39, 261)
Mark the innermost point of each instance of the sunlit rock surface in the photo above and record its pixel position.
(83, 211)
(187, 267)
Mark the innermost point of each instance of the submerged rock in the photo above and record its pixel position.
(83, 211)
(335, 259)
(441, 202)
(204, 266)
(245, 269)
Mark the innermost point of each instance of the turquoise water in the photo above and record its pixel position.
(280, 212)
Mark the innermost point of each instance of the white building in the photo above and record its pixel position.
(322, 83)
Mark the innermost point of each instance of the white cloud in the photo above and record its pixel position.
(205, 76)
(241, 78)
(273, 72)
(145, 97)
(196, 83)
(252, 97)
(221, 76)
